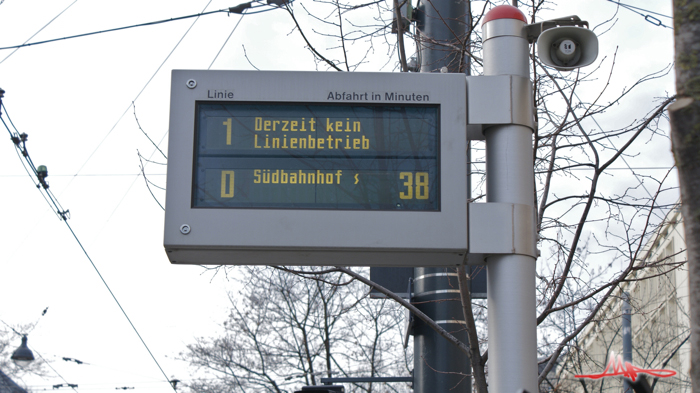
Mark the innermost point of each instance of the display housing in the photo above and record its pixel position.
(316, 168)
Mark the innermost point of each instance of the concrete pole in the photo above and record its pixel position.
(626, 337)
(510, 178)
(438, 366)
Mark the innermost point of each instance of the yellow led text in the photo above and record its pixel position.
(285, 125)
(310, 142)
(280, 176)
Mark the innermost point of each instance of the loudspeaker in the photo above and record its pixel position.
(567, 47)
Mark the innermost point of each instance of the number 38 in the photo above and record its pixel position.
(420, 188)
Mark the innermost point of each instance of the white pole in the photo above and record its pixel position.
(510, 175)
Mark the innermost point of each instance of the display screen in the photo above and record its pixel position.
(317, 156)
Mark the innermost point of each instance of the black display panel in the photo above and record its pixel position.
(316, 156)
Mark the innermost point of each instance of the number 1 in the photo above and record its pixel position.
(228, 125)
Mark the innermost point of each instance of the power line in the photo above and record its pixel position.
(640, 9)
(39, 31)
(648, 16)
(133, 104)
(72, 386)
(239, 9)
(149, 81)
(11, 328)
(225, 42)
(21, 139)
(144, 88)
(115, 29)
(53, 202)
(135, 385)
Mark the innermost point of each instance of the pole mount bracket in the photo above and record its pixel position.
(534, 30)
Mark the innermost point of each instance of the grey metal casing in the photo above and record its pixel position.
(501, 228)
(235, 236)
(496, 100)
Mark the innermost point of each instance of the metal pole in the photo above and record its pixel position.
(438, 366)
(510, 178)
(626, 337)
(442, 33)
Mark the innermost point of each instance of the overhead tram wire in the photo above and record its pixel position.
(225, 42)
(39, 31)
(243, 12)
(229, 10)
(235, 9)
(132, 185)
(135, 386)
(57, 373)
(142, 90)
(53, 202)
(641, 11)
(127, 110)
(115, 29)
(236, 26)
(270, 3)
(18, 138)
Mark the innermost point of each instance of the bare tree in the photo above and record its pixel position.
(592, 224)
(660, 324)
(284, 332)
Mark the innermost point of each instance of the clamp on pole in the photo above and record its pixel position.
(534, 30)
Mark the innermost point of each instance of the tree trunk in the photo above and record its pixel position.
(685, 134)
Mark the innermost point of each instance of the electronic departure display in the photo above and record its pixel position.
(316, 156)
(317, 168)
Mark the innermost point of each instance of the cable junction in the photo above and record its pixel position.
(40, 173)
(648, 16)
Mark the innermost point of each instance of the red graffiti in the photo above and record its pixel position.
(627, 370)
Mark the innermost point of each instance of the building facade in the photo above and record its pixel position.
(660, 324)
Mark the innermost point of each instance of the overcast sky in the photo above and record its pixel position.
(74, 100)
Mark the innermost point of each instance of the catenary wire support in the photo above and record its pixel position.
(19, 140)
(40, 172)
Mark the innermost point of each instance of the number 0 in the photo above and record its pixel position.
(227, 180)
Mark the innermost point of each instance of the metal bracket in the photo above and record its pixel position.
(500, 228)
(496, 100)
(534, 30)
